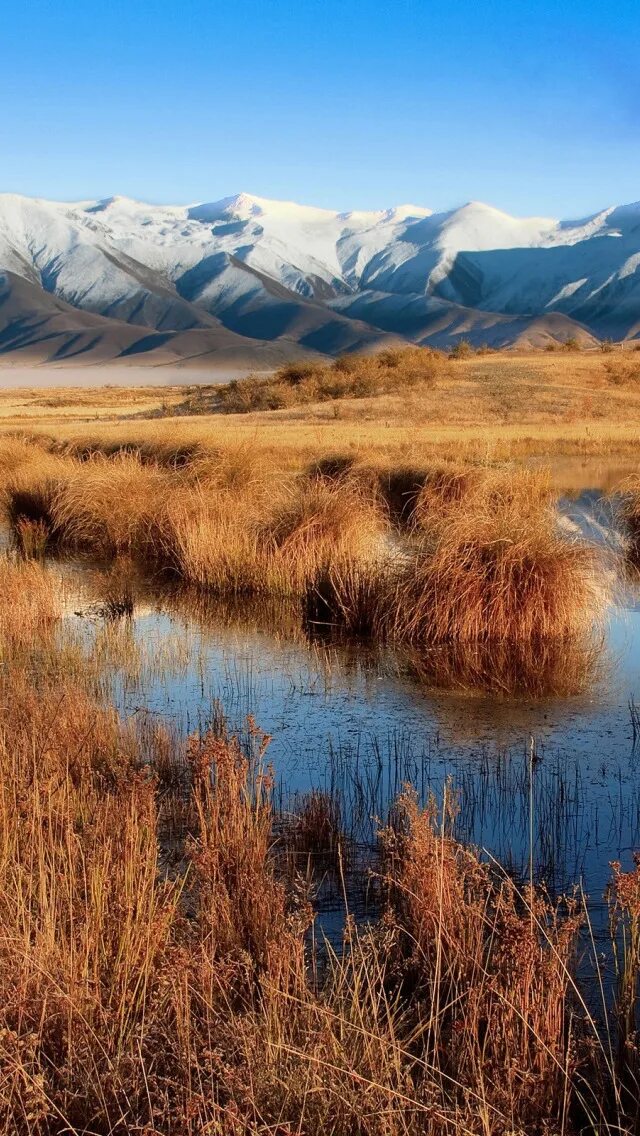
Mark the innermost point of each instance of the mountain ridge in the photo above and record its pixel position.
(246, 281)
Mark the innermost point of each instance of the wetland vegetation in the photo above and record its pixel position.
(353, 932)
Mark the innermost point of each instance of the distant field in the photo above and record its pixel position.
(582, 402)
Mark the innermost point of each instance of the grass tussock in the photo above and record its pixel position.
(497, 569)
(212, 540)
(28, 491)
(29, 605)
(475, 953)
(630, 517)
(235, 541)
(108, 508)
(323, 525)
(162, 452)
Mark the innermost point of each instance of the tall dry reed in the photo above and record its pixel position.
(165, 988)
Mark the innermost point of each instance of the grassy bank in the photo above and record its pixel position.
(425, 556)
(157, 974)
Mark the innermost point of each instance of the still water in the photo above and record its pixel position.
(556, 776)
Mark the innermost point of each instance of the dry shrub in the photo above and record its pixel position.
(461, 350)
(497, 570)
(350, 376)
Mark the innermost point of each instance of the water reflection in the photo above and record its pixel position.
(362, 721)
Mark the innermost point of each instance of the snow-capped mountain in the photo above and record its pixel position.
(246, 281)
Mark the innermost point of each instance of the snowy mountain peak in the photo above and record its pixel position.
(303, 278)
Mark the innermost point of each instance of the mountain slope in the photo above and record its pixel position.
(260, 281)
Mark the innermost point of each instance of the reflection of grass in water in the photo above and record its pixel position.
(554, 667)
(127, 656)
(115, 659)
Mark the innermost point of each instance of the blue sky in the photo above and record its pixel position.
(534, 107)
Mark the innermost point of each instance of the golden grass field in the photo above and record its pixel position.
(158, 974)
(582, 402)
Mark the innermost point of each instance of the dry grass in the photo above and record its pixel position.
(157, 974)
(623, 371)
(443, 554)
(313, 835)
(490, 970)
(211, 540)
(629, 489)
(302, 384)
(496, 568)
(526, 403)
(324, 526)
(108, 508)
(154, 965)
(170, 993)
(480, 582)
(29, 605)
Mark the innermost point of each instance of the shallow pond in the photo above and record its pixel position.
(561, 771)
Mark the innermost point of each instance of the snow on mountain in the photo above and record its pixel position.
(249, 270)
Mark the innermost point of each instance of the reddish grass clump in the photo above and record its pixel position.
(108, 507)
(489, 970)
(630, 515)
(29, 606)
(165, 988)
